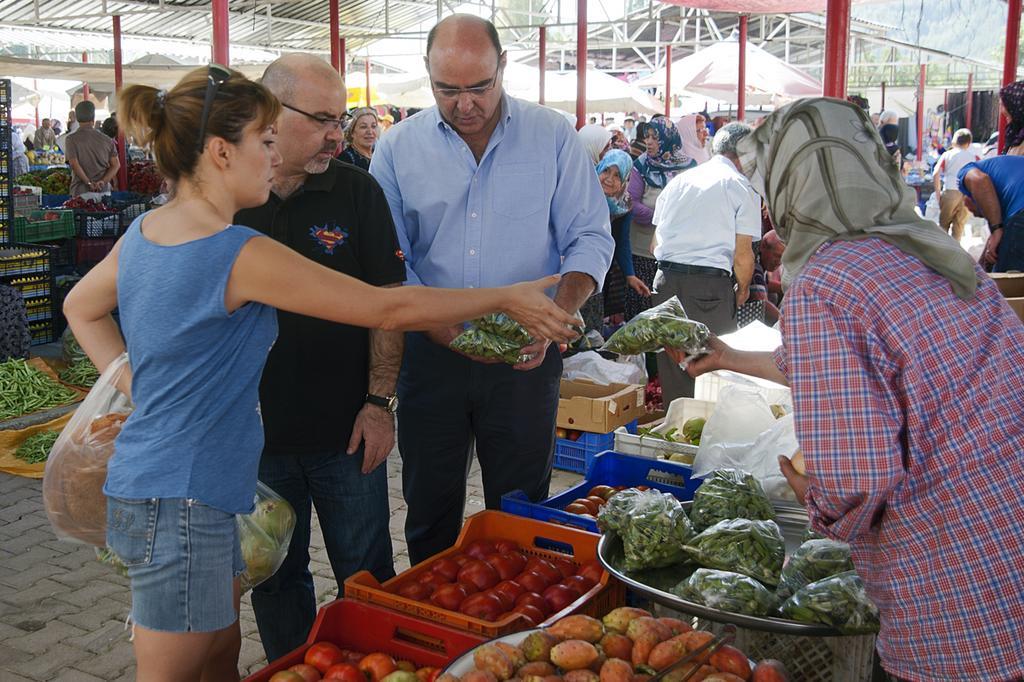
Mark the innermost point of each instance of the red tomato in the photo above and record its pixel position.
(565, 567)
(484, 605)
(506, 546)
(597, 500)
(518, 558)
(576, 508)
(446, 568)
(345, 672)
(478, 549)
(480, 575)
(428, 674)
(602, 491)
(323, 655)
(511, 588)
(593, 570)
(584, 583)
(532, 581)
(532, 613)
(353, 657)
(461, 559)
(507, 601)
(585, 503)
(574, 585)
(506, 566)
(433, 580)
(545, 568)
(535, 600)
(377, 666)
(308, 672)
(417, 591)
(559, 597)
(286, 676)
(449, 596)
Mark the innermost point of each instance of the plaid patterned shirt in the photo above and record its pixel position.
(909, 408)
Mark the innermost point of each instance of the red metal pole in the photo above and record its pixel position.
(581, 63)
(122, 157)
(335, 61)
(542, 60)
(668, 78)
(920, 112)
(85, 86)
(970, 99)
(1010, 58)
(741, 79)
(366, 67)
(341, 56)
(837, 38)
(220, 32)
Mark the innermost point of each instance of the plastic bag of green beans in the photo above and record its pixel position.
(660, 327)
(727, 591)
(839, 601)
(753, 548)
(657, 530)
(613, 515)
(504, 326)
(481, 344)
(813, 560)
(729, 494)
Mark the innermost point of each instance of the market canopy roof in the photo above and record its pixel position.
(157, 75)
(760, 6)
(714, 72)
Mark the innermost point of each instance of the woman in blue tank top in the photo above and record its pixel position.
(196, 297)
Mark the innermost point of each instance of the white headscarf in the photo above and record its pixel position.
(595, 138)
(691, 143)
(821, 167)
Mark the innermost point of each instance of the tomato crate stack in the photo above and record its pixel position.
(606, 469)
(565, 578)
(365, 628)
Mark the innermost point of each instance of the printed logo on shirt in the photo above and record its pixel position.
(329, 236)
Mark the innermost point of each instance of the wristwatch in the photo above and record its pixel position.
(388, 402)
(997, 226)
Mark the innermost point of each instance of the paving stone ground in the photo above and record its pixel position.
(62, 614)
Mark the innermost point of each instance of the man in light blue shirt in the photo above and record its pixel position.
(484, 190)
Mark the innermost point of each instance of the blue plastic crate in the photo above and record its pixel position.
(54, 200)
(606, 468)
(575, 455)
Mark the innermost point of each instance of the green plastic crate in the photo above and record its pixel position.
(31, 227)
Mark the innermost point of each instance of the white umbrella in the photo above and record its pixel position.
(605, 93)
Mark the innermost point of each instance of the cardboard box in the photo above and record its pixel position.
(1011, 284)
(586, 406)
(1017, 304)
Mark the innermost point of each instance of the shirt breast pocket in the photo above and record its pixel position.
(518, 190)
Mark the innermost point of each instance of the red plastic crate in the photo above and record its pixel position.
(91, 250)
(367, 628)
(537, 538)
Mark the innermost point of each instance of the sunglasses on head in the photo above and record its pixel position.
(216, 75)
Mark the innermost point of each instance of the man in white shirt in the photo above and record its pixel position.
(705, 220)
(952, 212)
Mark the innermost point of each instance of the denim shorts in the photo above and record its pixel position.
(182, 557)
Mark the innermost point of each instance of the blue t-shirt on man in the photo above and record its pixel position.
(1007, 174)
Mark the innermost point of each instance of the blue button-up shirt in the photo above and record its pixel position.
(532, 207)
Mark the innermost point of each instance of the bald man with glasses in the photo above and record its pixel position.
(484, 190)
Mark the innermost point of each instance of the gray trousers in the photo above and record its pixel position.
(706, 298)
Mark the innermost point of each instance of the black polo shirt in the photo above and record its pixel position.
(316, 377)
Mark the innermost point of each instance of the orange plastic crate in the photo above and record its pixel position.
(535, 537)
(367, 628)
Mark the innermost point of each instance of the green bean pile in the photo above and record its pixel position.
(82, 373)
(36, 448)
(24, 390)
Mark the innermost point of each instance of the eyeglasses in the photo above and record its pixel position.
(477, 91)
(215, 77)
(326, 122)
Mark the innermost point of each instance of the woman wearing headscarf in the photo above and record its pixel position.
(1011, 105)
(693, 130)
(596, 140)
(663, 160)
(886, 319)
(889, 130)
(19, 159)
(360, 137)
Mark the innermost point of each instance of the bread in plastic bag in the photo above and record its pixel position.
(264, 535)
(77, 467)
(727, 591)
(729, 494)
(813, 560)
(753, 548)
(656, 532)
(663, 326)
(839, 601)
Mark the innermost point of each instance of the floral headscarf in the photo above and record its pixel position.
(616, 158)
(1012, 97)
(657, 170)
(619, 140)
(691, 143)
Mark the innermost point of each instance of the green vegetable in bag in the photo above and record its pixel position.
(727, 591)
(657, 530)
(753, 548)
(70, 350)
(729, 494)
(613, 515)
(660, 327)
(504, 326)
(811, 534)
(813, 560)
(481, 344)
(839, 601)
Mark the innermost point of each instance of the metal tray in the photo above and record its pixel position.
(792, 522)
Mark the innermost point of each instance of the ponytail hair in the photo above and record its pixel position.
(169, 122)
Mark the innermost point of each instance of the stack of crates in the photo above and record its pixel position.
(29, 269)
(6, 163)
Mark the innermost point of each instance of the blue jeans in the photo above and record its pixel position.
(353, 512)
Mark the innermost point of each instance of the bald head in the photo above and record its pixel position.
(288, 74)
(463, 32)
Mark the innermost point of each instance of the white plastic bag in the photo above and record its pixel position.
(77, 467)
(779, 439)
(629, 369)
(264, 535)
